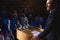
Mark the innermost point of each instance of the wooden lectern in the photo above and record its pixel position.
(26, 34)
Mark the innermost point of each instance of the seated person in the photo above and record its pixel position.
(32, 23)
(1, 35)
(9, 36)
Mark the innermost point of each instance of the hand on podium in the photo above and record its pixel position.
(35, 38)
(35, 35)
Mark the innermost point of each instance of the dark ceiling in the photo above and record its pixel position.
(22, 3)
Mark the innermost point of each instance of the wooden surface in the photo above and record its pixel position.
(26, 34)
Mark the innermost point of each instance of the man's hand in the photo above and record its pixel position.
(35, 38)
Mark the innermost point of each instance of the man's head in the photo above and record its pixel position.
(52, 4)
(48, 4)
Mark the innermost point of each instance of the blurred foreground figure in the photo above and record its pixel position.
(51, 31)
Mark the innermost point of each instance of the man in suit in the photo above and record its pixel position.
(51, 31)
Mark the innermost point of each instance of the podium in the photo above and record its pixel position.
(26, 34)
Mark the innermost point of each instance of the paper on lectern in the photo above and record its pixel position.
(35, 33)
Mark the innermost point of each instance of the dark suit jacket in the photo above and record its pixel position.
(51, 31)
